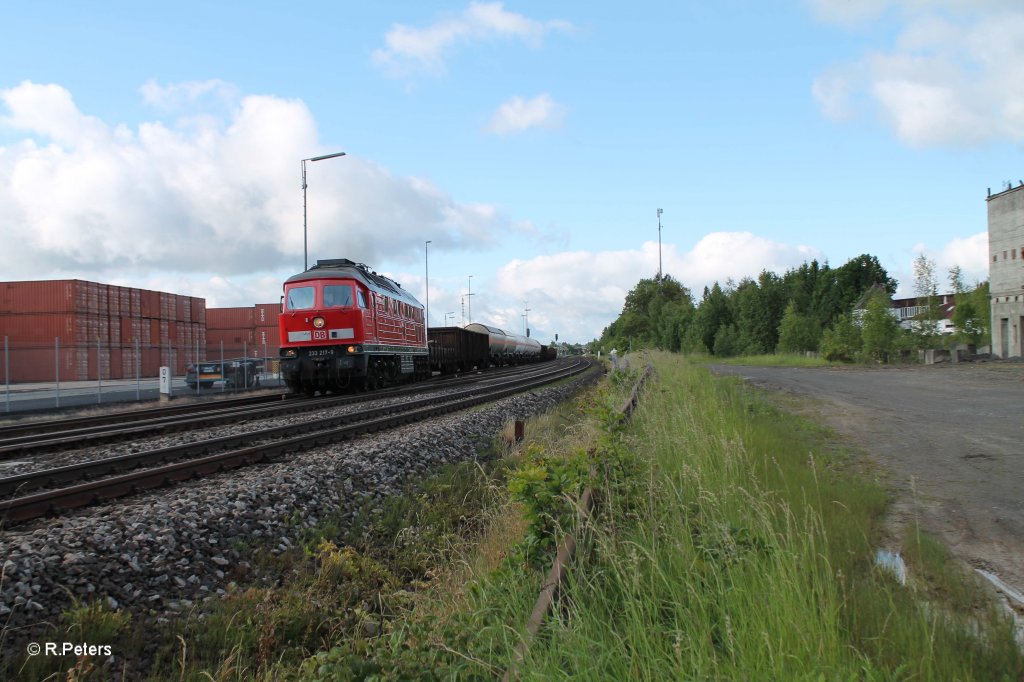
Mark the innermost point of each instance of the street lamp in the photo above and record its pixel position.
(305, 242)
(659, 246)
(452, 313)
(426, 268)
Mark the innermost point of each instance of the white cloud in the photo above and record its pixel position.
(177, 95)
(578, 293)
(410, 49)
(948, 79)
(970, 253)
(518, 114)
(855, 12)
(86, 198)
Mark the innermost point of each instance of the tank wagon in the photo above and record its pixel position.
(343, 325)
(507, 348)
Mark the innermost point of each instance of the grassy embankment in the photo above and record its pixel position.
(776, 360)
(732, 542)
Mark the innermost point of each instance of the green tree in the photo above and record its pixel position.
(880, 329)
(759, 307)
(972, 310)
(727, 341)
(714, 312)
(842, 341)
(926, 289)
(797, 333)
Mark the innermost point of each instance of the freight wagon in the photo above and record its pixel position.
(454, 349)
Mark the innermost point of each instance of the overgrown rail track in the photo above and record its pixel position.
(165, 466)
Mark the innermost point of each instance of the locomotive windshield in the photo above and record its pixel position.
(337, 296)
(300, 298)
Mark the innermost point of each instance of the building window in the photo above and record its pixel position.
(1013, 254)
(995, 258)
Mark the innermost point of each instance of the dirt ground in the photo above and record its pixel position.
(950, 439)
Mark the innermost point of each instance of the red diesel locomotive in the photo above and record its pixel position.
(343, 325)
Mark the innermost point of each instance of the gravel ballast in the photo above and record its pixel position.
(160, 553)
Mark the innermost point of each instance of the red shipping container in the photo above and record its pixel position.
(266, 314)
(166, 305)
(131, 328)
(115, 331)
(72, 329)
(38, 364)
(268, 340)
(149, 304)
(199, 310)
(183, 306)
(229, 318)
(151, 362)
(232, 337)
(53, 296)
(116, 364)
(128, 363)
(113, 300)
(102, 299)
(135, 302)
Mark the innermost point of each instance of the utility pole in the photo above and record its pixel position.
(659, 247)
(426, 268)
(470, 300)
(526, 317)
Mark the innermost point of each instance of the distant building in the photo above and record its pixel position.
(1006, 271)
(906, 309)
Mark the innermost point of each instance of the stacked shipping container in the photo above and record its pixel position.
(249, 331)
(76, 330)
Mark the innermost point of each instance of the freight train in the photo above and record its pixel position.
(343, 326)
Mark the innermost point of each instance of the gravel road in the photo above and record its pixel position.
(950, 437)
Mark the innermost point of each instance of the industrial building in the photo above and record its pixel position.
(1006, 271)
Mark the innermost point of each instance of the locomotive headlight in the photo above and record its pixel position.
(351, 349)
(318, 322)
(289, 353)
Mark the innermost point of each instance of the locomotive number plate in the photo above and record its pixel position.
(320, 352)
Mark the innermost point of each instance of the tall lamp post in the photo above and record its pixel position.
(305, 240)
(469, 297)
(426, 269)
(526, 317)
(659, 246)
(452, 313)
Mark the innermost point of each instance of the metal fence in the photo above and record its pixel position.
(37, 376)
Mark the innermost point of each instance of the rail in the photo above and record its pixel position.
(560, 566)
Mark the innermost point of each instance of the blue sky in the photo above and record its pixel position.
(531, 142)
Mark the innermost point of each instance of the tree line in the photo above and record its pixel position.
(844, 313)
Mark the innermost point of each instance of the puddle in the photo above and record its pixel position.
(893, 563)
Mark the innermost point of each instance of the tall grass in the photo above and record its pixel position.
(748, 555)
(775, 360)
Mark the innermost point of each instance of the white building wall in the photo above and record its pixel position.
(1006, 271)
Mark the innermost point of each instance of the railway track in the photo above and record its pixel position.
(21, 440)
(165, 466)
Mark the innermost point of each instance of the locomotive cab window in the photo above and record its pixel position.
(362, 298)
(337, 296)
(300, 298)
